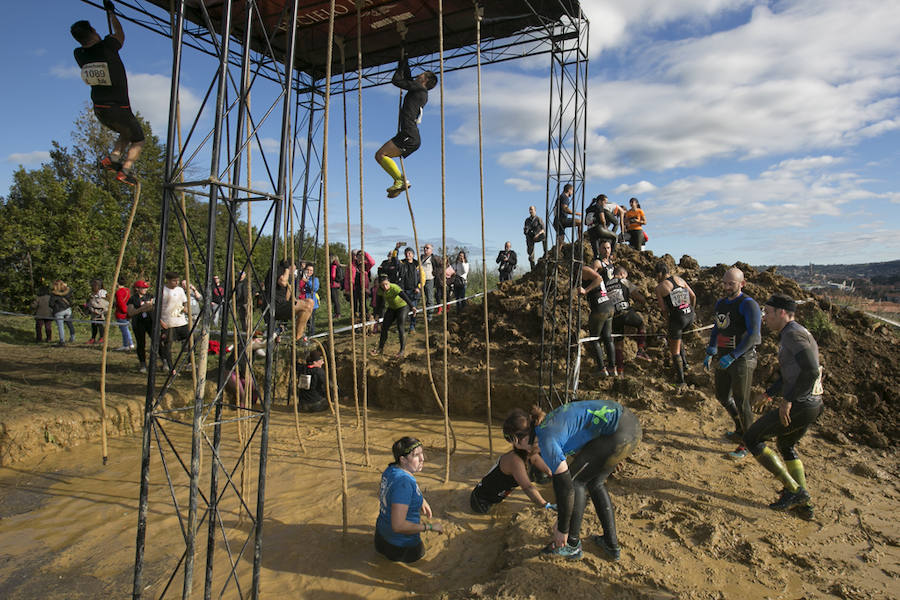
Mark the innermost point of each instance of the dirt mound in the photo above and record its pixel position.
(858, 353)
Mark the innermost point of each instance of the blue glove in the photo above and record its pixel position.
(710, 352)
(725, 361)
(549, 506)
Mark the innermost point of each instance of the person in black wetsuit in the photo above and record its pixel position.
(620, 292)
(733, 341)
(315, 397)
(676, 301)
(407, 139)
(600, 320)
(511, 470)
(799, 383)
(102, 69)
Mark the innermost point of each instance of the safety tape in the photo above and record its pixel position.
(595, 338)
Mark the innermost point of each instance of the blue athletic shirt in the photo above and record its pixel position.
(398, 487)
(569, 427)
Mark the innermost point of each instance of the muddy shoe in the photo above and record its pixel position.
(109, 164)
(611, 552)
(738, 453)
(399, 186)
(568, 552)
(789, 500)
(805, 511)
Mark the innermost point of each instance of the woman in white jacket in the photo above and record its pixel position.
(460, 279)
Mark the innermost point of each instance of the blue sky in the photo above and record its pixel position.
(767, 132)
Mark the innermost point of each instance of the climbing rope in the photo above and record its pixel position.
(444, 236)
(345, 492)
(109, 311)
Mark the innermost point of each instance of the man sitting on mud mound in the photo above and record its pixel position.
(799, 384)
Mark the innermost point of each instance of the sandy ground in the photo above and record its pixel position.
(692, 523)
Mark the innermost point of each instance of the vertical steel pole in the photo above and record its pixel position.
(149, 402)
(284, 187)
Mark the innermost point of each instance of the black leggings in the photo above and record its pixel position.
(97, 330)
(600, 325)
(590, 468)
(392, 315)
(768, 426)
(733, 389)
(407, 554)
(142, 329)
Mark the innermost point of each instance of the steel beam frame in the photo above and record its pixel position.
(561, 309)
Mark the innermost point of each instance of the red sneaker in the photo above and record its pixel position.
(126, 178)
(109, 164)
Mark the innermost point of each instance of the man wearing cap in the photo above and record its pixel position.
(799, 384)
(140, 307)
(676, 301)
(732, 342)
(102, 69)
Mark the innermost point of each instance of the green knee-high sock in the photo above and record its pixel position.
(795, 468)
(772, 463)
(391, 167)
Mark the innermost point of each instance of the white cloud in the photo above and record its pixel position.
(523, 185)
(65, 72)
(637, 189)
(149, 95)
(26, 159)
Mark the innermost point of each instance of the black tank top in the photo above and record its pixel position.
(679, 300)
(599, 301)
(496, 485)
(619, 294)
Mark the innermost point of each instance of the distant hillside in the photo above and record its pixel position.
(881, 272)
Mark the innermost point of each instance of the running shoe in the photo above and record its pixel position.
(642, 354)
(399, 186)
(734, 436)
(568, 552)
(612, 552)
(805, 511)
(789, 500)
(738, 453)
(143, 369)
(91, 341)
(126, 177)
(109, 164)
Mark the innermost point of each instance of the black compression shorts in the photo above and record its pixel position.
(678, 322)
(629, 318)
(408, 141)
(121, 120)
(407, 554)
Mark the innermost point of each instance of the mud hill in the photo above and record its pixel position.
(859, 353)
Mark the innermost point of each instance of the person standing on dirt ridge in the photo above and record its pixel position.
(733, 340)
(564, 216)
(399, 525)
(600, 319)
(507, 260)
(620, 292)
(600, 434)
(799, 383)
(676, 301)
(534, 232)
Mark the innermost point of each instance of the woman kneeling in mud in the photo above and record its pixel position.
(401, 504)
(511, 470)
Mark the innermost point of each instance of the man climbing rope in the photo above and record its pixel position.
(102, 69)
(407, 139)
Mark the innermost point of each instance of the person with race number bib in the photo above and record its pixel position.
(407, 139)
(676, 301)
(102, 69)
(620, 292)
(399, 525)
(733, 340)
(600, 434)
(511, 470)
(600, 319)
(799, 383)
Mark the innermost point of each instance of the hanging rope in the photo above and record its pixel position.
(347, 198)
(444, 237)
(109, 311)
(487, 330)
(362, 242)
(345, 492)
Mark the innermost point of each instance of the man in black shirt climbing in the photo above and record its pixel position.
(102, 69)
(407, 139)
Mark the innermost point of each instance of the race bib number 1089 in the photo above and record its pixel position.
(96, 73)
